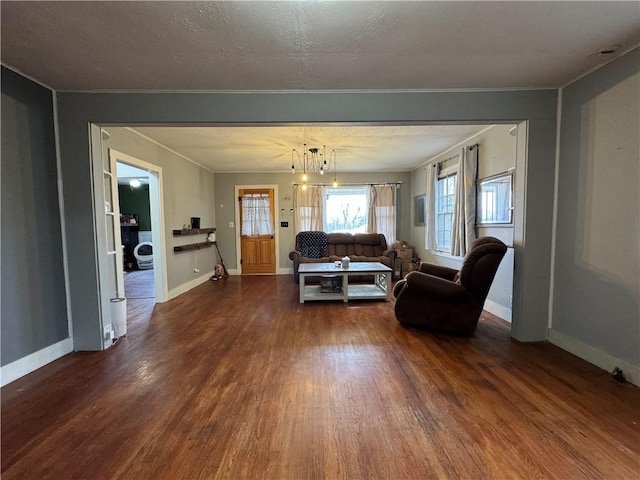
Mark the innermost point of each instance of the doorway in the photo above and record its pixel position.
(255, 214)
(141, 255)
(135, 231)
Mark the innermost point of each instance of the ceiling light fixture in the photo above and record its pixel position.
(313, 160)
(134, 183)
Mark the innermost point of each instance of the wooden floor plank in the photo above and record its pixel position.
(236, 379)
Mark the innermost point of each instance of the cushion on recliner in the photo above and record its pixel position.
(313, 244)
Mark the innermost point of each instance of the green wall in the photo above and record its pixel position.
(136, 201)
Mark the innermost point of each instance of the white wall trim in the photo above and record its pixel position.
(602, 65)
(497, 309)
(284, 92)
(185, 287)
(554, 215)
(156, 195)
(63, 225)
(595, 356)
(456, 146)
(279, 271)
(28, 77)
(168, 149)
(25, 365)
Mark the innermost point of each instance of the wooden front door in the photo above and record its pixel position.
(257, 228)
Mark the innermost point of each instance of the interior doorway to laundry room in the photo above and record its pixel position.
(141, 254)
(136, 232)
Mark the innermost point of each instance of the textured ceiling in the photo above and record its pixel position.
(358, 148)
(316, 45)
(343, 45)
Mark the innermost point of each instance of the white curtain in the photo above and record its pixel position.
(464, 213)
(382, 212)
(307, 206)
(430, 207)
(256, 215)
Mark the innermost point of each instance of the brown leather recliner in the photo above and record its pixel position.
(447, 300)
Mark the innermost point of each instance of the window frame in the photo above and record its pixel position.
(483, 185)
(442, 177)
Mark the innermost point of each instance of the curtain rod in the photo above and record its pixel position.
(395, 184)
(441, 162)
(471, 147)
(448, 159)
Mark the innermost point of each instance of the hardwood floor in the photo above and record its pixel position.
(236, 379)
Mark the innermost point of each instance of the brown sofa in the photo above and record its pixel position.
(447, 300)
(361, 247)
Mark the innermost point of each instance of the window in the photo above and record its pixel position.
(256, 214)
(346, 209)
(445, 202)
(494, 200)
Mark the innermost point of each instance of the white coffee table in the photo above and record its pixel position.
(380, 289)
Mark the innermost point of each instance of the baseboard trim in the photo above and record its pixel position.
(185, 287)
(279, 271)
(25, 365)
(497, 309)
(595, 356)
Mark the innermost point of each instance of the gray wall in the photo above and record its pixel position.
(34, 306)
(597, 267)
(188, 191)
(538, 108)
(225, 207)
(496, 154)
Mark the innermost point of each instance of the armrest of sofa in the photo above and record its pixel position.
(391, 253)
(438, 271)
(437, 287)
(294, 255)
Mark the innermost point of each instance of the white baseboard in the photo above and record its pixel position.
(279, 271)
(497, 309)
(21, 367)
(597, 357)
(185, 287)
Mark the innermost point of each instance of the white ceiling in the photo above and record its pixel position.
(314, 45)
(358, 148)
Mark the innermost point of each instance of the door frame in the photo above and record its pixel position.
(276, 232)
(156, 207)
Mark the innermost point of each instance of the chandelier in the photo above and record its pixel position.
(314, 160)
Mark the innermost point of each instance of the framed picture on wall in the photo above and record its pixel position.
(418, 210)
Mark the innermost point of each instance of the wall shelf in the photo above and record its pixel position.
(193, 231)
(192, 246)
